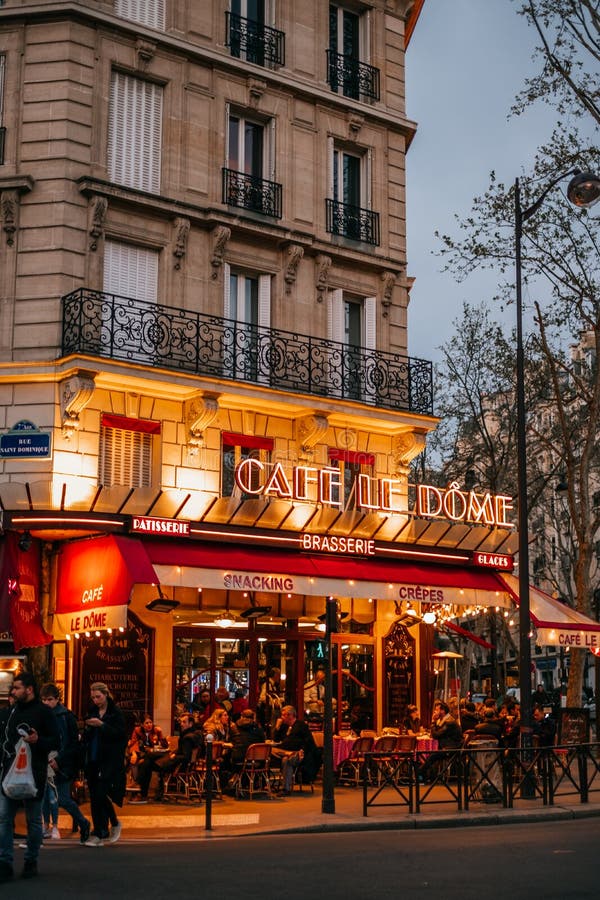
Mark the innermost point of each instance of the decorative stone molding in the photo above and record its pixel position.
(256, 89)
(309, 431)
(99, 208)
(75, 394)
(355, 123)
(145, 52)
(200, 412)
(405, 447)
(221, 235)
(323, 267)
(9, 209)
(294, 255)
(182, 230)
(389, 280)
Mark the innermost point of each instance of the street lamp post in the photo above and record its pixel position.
(583, 191)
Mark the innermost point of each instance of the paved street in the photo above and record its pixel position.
(550, 860)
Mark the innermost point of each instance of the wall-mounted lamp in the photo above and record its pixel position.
(25, 542)
(162, 604)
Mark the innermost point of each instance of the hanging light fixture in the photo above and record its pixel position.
(162, 604)
(254, 611)
(224, 620)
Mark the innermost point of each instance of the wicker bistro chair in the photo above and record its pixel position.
(350, 770)
(181, 782)
(201, 771)
(254, 776)
(386, 762)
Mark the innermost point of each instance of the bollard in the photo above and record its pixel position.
(208, 783)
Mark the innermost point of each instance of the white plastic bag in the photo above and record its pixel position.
(19, 783)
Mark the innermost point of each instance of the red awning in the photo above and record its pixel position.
(345, 571)
(101, 572)
(468, 635)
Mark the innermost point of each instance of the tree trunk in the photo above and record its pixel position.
(576, 667)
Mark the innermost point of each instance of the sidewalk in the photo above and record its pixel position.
(301, 813)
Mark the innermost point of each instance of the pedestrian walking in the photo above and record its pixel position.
(31, 720)
(105, 740)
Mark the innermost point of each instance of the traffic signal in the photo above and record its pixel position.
(333, 615)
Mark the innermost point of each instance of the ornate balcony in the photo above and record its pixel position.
(120, 328)
(355, 79)
(253, 41)
(352, 222)
(249, 192)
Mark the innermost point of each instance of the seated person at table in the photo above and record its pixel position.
(435, 713)
(293, 744)
(412, 722)
(244, 732)
(223, 700)
(447, 732)
(145, 738)
(490, 727)
(218, 725)
(544, 727)
(360, 718)
(468, 715)
(189, 740)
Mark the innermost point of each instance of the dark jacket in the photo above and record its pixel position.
(105, 748)
(244, 733)
(38, 716)
(69, 757)
(447, 733)
(295, 737)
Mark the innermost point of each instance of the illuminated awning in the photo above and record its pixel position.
(556, 624)
(230, 567)
(95, 581)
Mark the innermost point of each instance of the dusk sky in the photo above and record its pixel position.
(465, 63)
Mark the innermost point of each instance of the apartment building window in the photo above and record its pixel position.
(135, 132)
(348, 204)
(130, 271)
(235, 448)
(2, 127)
(351, 464)
(146, 12)
(249, 173)
(348, 70)
(352, 324)
(250, 35)
(247, 302)
(126, 451)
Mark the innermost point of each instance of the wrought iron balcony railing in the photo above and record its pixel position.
(253, 41)
(249, 192)
(121, 328)
(352, 222)
(2, 140)
(353, 78)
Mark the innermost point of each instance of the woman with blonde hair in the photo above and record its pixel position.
(105, 741)
(218, 725)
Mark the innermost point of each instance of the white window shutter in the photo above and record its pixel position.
(135, 132)
(370, 323)
(264, 301)
(270, 134)
(364, 37)
(226, 291)
(125, 458)
(336, 316)
(147, 12)
(130, 271)
(227, 114)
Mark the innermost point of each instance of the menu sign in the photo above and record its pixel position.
(574, 726)
(120, 660)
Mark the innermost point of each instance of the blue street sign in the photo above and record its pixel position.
(25, 441)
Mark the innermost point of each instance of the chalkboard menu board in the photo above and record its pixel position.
(574, 726)
(398, 648)
(122, 660)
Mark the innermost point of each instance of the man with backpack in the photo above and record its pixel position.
(67, 762)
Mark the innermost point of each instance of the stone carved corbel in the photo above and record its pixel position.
(200, 412)
(9, 208)
(295, 254)
(182, 230)
(309, 431)
(221, 235)
(405, 447)
(389, 280)
(355, 123)
(99, 207)
(75, 394)
(323, 267)
(256, 89)
(145, 52)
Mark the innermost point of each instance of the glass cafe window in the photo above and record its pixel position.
(351, 465)
(353, 694)
(235, 448)
(207, 664)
